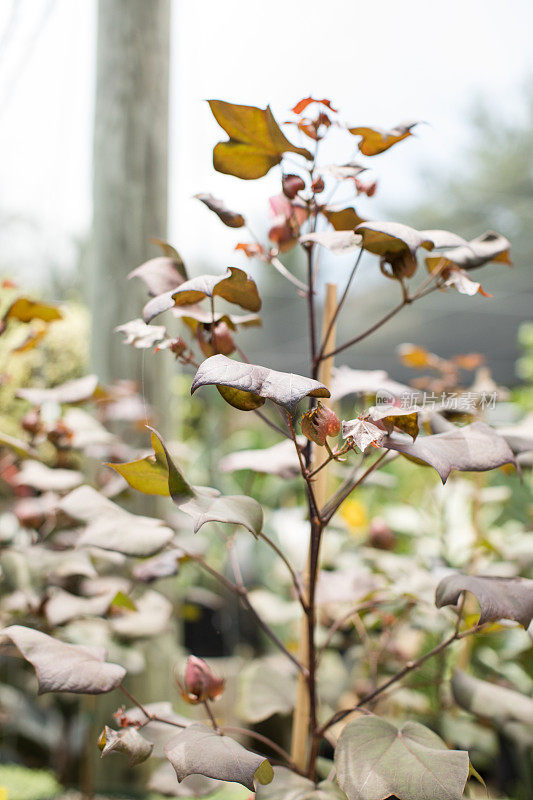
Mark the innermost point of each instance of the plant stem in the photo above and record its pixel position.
(311, 308)
(368, 331)
(347, 488)
(409, 667)
(241, 592)
(340, 304)
(295, 579)
(149, 717)
(211, 716)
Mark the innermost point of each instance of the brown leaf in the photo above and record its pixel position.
(474, 448)
(127, 741)
(250, 249)
(256, 142)
(235, 286)
(343, 219)
(160, 274)
(395, 243)
(498, 598)
(62, 667)
(256, 383)
(377, 140)
(230, 218)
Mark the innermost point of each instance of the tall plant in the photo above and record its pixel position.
(373, 758)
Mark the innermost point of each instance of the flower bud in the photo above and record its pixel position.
(291, 185)
(318, 185)
(319, 423)
(178, 346)
(380, 535)
(200, 683)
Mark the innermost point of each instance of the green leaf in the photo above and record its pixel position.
(127, 741)
(376, 760)
(256, 142)
(284, 388)
(498, 598)
(158, 474)
(198, 750)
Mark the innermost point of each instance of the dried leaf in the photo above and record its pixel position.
(498, 598)
(256, 142)
(301, 105)
(141, 335)
(375, 760)
(229, 218)
(474, 448)
(161, 274)
(390, 417)
(198, 750)
(377, 140)
(257, 383)
(127, 741)
(62, 667)
(338, 242)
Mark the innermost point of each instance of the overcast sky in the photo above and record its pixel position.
(380, 63)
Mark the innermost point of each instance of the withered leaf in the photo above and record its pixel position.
(301, 105)
(406, 419)
(198, 750)
(343, 219)
(338, 242)
(490, 246)
(141, 335)
(161, 274)
(377, 140)
(235, 286)
(473, 448)
(127, 741)
(62, 667)
(256, 142)
(229, 218)
(257, 383)
(498, 598)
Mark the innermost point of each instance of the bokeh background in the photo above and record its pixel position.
(463, 68)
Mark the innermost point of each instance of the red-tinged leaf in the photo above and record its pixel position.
(230, 218)
(250, 249)
(301, 105)
(319, 424)
(473, 448)
(62, 667)
(256, 142)
(292, 184)
(256, 383)
(377, 140)
(498, 598)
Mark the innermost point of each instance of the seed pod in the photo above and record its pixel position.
(319, 423)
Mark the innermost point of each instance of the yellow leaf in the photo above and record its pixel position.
(25, 310)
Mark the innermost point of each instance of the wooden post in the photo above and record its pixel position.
(300, 723)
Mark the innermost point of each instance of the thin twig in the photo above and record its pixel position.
(295, 579)
(310, 492)
(339, 307)
(336, 501)
(211, 716)
(368, 331)
(150, 717)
